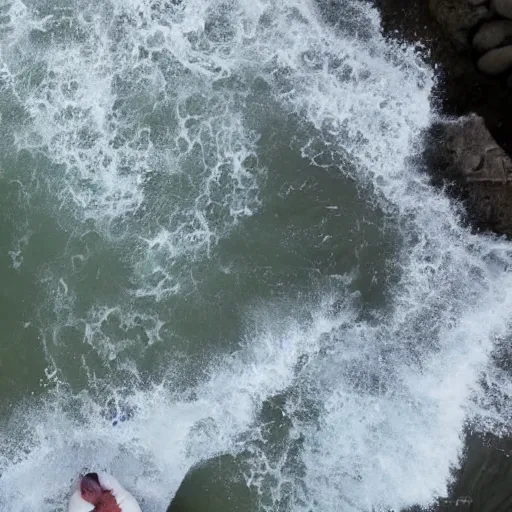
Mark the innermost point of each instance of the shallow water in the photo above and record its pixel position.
(220, 261)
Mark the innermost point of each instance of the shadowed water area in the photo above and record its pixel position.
(219, 262)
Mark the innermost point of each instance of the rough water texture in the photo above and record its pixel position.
(230, 251)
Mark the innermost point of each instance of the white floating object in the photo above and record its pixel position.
(90, 491)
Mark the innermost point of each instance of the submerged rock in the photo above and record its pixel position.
(485, 475)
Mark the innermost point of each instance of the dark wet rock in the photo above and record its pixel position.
(496, 61)
(503, 7)
(493, 34)
(485, 475)
(458, 18)
(467, 155)
(207, 483)
(475, 154)
(482, 483)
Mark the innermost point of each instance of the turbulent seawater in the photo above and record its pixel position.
(219, 259)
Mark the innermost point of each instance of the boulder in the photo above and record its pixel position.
(476, 2)
(492, 34)
(458, 18)
(496, 61)
(474, 153)
(466, 154)
(503, 8)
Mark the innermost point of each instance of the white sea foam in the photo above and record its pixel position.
(168, 434)
(141, 109)
(123, 107)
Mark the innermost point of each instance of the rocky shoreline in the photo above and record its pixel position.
(470, 43)
(462, 39)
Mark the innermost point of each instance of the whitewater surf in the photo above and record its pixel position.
(212, 227)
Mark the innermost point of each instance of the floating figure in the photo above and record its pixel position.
(100, 492)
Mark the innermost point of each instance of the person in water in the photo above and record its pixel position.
(100, 492)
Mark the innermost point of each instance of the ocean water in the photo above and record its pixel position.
(223, 276)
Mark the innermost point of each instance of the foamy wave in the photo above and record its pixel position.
(146, 111)
(67, 433)
(112, 104)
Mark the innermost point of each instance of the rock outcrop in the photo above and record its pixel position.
(459, 17)
(466, 155)
(474, 154)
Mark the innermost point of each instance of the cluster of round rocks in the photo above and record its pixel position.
(493, 40)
